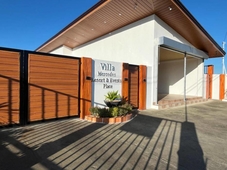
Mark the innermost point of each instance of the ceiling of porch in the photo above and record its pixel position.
(168, 55)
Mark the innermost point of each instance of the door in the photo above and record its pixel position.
(134, 85)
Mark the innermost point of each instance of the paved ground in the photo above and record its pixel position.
(194, 137)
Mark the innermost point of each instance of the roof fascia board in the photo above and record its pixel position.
(190, 17)
(87, 13)
(177, 46)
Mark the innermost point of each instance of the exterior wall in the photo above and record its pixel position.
(162, 29)
(149, 88)
(205, 85)
(67, 50)
(130, 44)
(63, 50)
(171, 77)
(106, 76)
(136, 43)
(58, 50)
(216, 86)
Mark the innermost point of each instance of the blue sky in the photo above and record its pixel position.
(26, 24)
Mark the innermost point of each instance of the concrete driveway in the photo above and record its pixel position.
(193, 137)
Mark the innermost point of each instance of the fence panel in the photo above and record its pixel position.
(53, 87)
(9, 87)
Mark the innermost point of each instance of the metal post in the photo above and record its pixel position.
(185, 74)
(223, 59)
(24, 88)
(185, 69)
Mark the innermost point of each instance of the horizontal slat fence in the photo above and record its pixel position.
(36, 86)
(9, 87)
(53, 87)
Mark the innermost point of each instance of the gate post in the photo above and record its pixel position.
(210, 81)
(222, 86)
(85, 86)
(142, 86)
(125, 81)
(23, 88)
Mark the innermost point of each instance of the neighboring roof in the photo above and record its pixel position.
(109, 15)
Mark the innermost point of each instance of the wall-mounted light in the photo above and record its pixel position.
(88, 78)
(170, 8)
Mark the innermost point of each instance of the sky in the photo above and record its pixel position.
(27, 24)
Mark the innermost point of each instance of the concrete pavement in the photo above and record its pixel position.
(192, 137)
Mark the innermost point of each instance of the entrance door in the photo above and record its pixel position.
(133, 97)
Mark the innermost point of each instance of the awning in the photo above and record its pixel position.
(182, 48)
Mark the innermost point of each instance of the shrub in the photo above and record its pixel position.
(104, 112)
(111, 112)
(115, 111)
(94, 111)
(125, 109)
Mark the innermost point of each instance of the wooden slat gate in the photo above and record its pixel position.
(53, 87)
(9, 87)
(36, 86)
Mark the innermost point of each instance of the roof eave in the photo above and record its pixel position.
(85, 14)
(184, 9)
(219, 51)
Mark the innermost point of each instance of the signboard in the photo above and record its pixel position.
(107, 76)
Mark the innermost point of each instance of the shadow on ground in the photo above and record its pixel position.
(165, 134)
(145, 142)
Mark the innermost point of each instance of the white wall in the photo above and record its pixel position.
(58, 50)
(136, 43)
(107, 76)
(149, 88)
(205, 81)
(171, 77)
(63, 50)
(162, 29)
(216, 87)
(132, 44)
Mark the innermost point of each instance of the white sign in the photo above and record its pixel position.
(107, 76)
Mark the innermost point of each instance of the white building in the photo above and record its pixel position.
(161, 35)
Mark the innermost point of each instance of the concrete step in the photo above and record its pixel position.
(165, 104)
